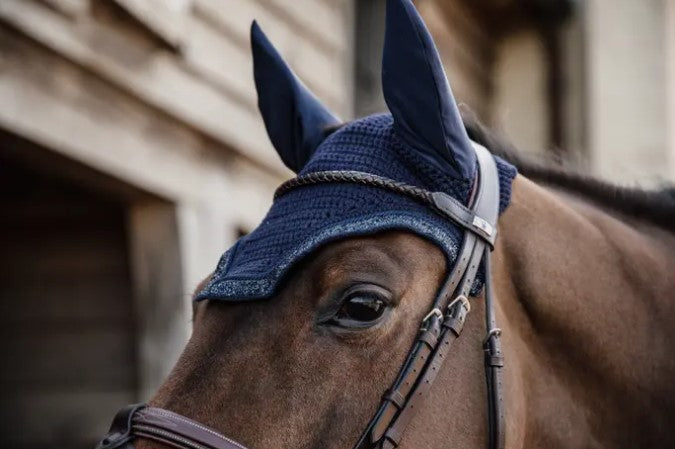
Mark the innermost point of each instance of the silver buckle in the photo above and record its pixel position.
(435, 311)
(464, 300)
(495, 331)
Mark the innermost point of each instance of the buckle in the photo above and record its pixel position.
(494, 332)
(434, 312)
(464, 300)
(458, 310)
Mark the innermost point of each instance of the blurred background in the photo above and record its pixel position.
(132, 155)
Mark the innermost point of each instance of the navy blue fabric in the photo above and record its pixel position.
(295, 119)
(307, 218)
(422, 143)
(418, 94)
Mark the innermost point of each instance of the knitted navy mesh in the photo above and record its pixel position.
(308, 217)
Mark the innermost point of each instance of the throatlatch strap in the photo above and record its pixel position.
(494, 358)
(494, 362)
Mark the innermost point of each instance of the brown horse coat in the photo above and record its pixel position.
(585, 298)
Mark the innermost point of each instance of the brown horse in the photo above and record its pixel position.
(586, 301)
(585, 277)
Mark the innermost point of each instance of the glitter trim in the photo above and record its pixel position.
(228, 289)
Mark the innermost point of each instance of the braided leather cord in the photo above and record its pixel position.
(355, 177)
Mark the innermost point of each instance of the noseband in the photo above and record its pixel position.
(440, 328)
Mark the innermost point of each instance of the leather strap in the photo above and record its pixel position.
(441, 202)
(163, 426)
(417, 375)
(494, 362)
(181, 432)
(494, 358)
(418, 355)
(420, 392)
(451, 329)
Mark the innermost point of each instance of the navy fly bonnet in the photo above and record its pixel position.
(422, 142)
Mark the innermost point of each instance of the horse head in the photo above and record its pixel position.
(308, 321)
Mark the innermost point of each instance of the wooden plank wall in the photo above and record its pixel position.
(190, 59)
(157, 95)
(66, 318)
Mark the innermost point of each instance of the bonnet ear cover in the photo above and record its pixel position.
(296, 121)
(418, 94)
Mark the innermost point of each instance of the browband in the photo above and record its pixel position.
(441, 202)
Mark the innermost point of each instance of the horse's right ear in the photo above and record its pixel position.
(295, 119)
(418, 94)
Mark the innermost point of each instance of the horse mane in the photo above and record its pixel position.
(654, 206)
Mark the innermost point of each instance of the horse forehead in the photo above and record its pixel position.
(391, 250)
(400, 245)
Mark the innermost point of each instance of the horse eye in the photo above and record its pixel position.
(362, 307)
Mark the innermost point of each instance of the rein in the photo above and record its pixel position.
(440, 328)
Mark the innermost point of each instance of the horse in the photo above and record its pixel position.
(580, 278)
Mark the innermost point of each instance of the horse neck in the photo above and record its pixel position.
(588, 309)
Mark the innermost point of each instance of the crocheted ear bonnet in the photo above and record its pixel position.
(421, 142)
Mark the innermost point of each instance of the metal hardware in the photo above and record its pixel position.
(495, 332)
(483, 225)
(435, 311)
(464, 300)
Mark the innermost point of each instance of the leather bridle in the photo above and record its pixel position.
(440, 328)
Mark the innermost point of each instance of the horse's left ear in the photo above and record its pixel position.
(418, 94)
(295, 119)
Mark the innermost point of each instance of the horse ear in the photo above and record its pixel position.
(295, 119)
(418, 94)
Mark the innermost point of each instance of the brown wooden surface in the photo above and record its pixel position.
(66, 319)
(196, 70)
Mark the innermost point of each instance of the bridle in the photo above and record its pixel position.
(440, 328)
